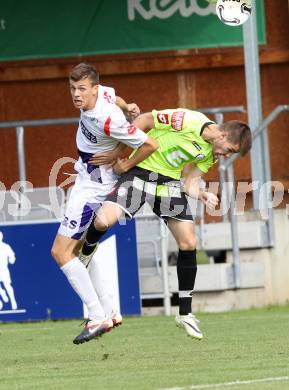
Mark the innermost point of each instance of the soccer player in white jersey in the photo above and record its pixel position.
(102, 126)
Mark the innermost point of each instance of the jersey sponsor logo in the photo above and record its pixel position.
(107, 97)
(196, 145)
(200, 156)
(176, 158)
(92, 119)
(131, 129)
(71, 224)
(163, 118)
(177, 120)
(92, 138)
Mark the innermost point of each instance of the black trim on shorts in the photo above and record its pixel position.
(147, 175)
(131, 196)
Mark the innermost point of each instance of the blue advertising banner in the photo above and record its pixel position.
(32, 287)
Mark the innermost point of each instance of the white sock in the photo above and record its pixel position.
(103, 288)
(80, 281)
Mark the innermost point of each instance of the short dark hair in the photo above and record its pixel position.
(83, 71)
(238, 133)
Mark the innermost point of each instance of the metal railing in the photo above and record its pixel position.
(227, 166)
(20, 131)
(21, 125)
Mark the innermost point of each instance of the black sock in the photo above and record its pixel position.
(187, 271)
(91, 239)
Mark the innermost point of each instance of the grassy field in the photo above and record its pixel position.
(151, 353)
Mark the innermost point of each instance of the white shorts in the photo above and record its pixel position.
(85, 198)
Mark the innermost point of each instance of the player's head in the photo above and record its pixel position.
(83, 81)
(234, 137)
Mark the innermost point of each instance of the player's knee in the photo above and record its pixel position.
(61, 255)
(55, 252)
(188, 244)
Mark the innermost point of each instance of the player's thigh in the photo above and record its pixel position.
(184, 233)
(107, 215)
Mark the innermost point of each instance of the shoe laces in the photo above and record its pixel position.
(85, 322)
(193, 317)
(93, 322)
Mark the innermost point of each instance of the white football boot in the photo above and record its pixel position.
(93, 329)
(116, 318)
(190, 323)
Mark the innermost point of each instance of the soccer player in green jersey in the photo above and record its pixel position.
(184, 137)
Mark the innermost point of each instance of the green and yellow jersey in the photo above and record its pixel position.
(178, 132)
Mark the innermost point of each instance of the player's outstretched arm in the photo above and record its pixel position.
(118, 157)
(145, 121)
(110, 158)
(191, 182)
(147, 148)
(130, 110)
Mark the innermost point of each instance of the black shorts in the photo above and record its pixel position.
(162, 193)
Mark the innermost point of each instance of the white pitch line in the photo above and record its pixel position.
(13, 311)
(250, 318)
(23, 328)
(235, 383)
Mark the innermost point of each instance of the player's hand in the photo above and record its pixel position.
(104, 158)
(120, 166)
(132, 111)
(209, 199)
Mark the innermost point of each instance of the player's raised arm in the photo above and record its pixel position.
(118, 158)
(130, 135)
(145, 121)
(110, 158)
(147, 148)
(130, 110)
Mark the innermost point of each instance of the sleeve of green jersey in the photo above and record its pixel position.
(162, 119)
(180, 119)
(196, 120)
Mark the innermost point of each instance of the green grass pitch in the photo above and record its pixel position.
(151, 353)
